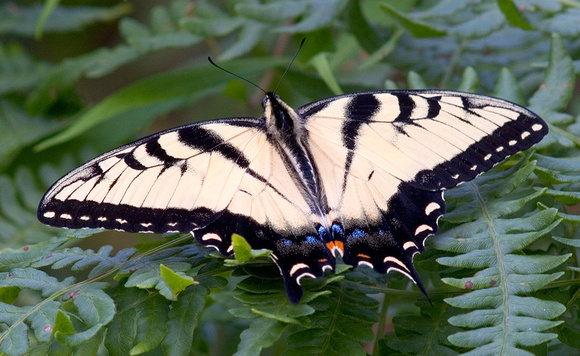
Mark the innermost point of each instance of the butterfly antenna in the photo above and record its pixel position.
(235, 75)
(290, 65)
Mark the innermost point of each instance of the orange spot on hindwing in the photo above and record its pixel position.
(334, 246)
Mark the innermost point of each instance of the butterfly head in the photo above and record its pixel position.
(280, 118)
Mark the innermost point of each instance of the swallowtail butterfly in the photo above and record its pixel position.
(359, 175)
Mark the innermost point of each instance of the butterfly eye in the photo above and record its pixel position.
(264, 102)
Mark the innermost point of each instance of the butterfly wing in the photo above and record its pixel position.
(384, 159)
(214, 178)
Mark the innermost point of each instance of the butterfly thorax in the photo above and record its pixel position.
(281, 115)
(285, 129)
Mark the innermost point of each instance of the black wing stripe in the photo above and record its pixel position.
(406, 107)
(125, 217)
(359, 111)
(133, 162)
(205, 140)
(434, 107)
(155, 149)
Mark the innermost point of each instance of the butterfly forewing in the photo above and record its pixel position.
(177, 180)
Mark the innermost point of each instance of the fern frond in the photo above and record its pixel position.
(92, 309)
(19, 71)
(22, 20)
(489, 242)
(18, 130)
(332, 331)
(140, 323)
(18, 224)
(162, 33)
(183, 319)
(79, 259)
(424, 334)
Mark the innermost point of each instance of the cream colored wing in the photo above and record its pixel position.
(214, 178)
(177, 180)
(384, 158)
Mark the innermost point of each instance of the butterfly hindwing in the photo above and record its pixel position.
(296, 256)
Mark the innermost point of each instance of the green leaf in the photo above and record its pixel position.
(362, 30)
(321, 64)
(29, 254)
(175, 86)
(558, 84)
(320, 13)
(261, 333)
(9, 294)
(183, 319)
(415, 27)
(415, 81)
(122, 331)
(28, 20)
(569, 336)
(19, 70)
(63, 324)
(424, 334)
(147, 275)
(384, 51)
(177, 282)
(78, 259)
(103, 61)
(564, 23)
(445, 8)
(242, 248)
(569, 242)
(243, 252)
(40, 320)
(33, 279)
(279, 10)
(91, 347)
(14, 340)
(140, 324)
(152, 325)
(213, 27)
(507, 87)
(469, 80)
(332, 332)
(49, 7)
(512, 14)
(95, 308)
(480, 25)
(249, 37)
(568, 198)
(18, 130)
(489, 243)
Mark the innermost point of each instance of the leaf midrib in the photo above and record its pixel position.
(499, 263)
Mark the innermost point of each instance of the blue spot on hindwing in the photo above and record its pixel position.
(311, 239)
(286, 241)
(357, 233)
(323, 233)
(337, 231)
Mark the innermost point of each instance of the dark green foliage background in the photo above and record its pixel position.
(78, 78)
